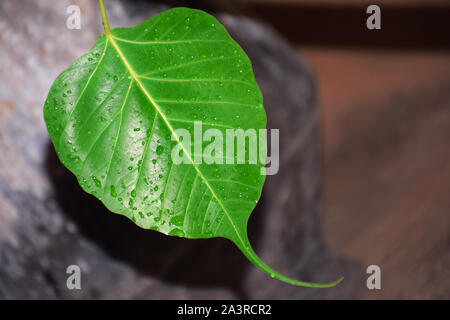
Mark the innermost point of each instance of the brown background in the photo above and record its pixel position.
(385, 121)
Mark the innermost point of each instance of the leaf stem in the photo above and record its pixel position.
(251, 255)
(104, 17)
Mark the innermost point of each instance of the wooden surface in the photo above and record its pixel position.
(386, 131)
(385, 121)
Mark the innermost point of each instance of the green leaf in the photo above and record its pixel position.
(113, 117)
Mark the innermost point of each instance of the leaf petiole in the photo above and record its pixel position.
(252, 256)
(104, 17)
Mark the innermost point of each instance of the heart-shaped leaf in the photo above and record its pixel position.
(114, 118)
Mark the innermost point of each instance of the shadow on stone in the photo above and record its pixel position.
(201, 263)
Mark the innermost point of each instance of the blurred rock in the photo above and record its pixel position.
(48, 223)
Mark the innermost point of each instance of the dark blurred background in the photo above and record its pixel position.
(385, 123)
(377, 186)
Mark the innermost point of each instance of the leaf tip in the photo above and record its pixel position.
(333, 284)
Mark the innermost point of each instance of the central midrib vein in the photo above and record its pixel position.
(166, 121)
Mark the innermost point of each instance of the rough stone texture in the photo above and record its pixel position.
(47, 222)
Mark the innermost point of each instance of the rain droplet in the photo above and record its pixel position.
(96, 181)
(113, 192)
(158, 217)
(176, 232)
(177, 220)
